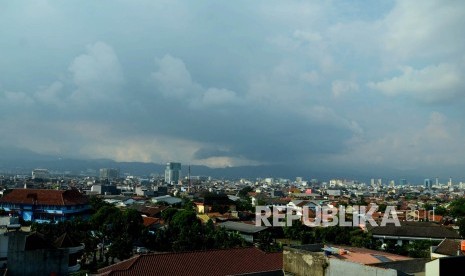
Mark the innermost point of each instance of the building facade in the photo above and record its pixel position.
(108, 173)
(172, 172)
(39, 205)
(40, 174)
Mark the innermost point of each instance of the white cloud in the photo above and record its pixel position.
(173, 79)
(436, 141)
(431, 84)
(341, 88)
(16, 99)
(311, 37)
(52, 94)
(425, 29)
(311, 77)
(215, 96)
(97, 74)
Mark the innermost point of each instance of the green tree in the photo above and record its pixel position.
(186, 230)
(419, 249)
(168, 214)
(266, 242)
(440, 210)
(188, 204)
(457, 208)
(244, 205)
(97, 202)
(243, 193)
(461, 225)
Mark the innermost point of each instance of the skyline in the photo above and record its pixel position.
(330, 86)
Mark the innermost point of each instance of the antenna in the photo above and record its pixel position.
(189, 179)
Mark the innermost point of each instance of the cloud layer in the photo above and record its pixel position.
(314, 85)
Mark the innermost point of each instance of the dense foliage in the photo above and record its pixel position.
(111, 233)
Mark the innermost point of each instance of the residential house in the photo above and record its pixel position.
(448, 248)
(150, 211)
(248, 231)
(167, 199)
(215, 203)
(411, 231)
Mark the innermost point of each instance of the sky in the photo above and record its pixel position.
(334, 85)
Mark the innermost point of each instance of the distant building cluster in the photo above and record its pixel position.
(228, 204)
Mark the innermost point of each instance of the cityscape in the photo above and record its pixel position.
(260, 138)
(76, 213)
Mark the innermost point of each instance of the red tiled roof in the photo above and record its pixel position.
(44, 197)
(151, 211)
(121, 266)
(214, 262)
(149, 221)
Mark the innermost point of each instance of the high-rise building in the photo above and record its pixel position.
(428, 183)
(403, 182)
(40, 174)
(109, 173)
(392, 183)
(172, 172)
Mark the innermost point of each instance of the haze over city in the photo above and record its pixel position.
(360, 86)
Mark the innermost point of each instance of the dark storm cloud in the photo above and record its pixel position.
(235, 83)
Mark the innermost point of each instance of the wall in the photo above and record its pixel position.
(432, 268)
(3, 249)
(34, 262)
(304, 263)
(308, 260)
(338, 267)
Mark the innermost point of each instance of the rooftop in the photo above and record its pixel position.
(215, 262)
(416, 229)
(44, 197)
(367, 256)
(449, 247)
(242, 227)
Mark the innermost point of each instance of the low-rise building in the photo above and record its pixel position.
(448, 248)
(320, 259)
(411, 231)
(249, 232)
(40, 205)
(33, 254)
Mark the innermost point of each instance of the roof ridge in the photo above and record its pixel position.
(199, 251)
(106, 269)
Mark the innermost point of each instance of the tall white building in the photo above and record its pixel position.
(172, 172)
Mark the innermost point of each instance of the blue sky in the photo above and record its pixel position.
(318, 84)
